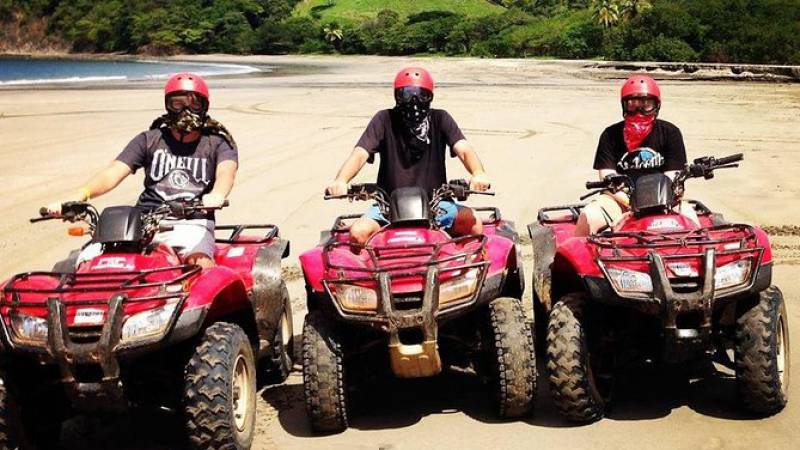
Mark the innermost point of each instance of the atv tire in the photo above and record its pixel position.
(278, 363)
(323, 375)
(11, 430)
(512, 357)
(220, 390)
(572, 383)
(762, 354)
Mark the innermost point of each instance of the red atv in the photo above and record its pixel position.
(659, 286)
(415, 300)
(135, 326)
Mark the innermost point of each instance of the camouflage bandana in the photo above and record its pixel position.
(189, 122)
(186, 121)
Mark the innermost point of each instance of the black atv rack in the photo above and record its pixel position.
(382, 272)
(236, 233)
(108, 282)
(681, 238)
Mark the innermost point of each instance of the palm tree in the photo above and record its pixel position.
(632, 8)
(606, 12)
(333, 33)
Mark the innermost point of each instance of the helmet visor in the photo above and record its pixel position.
(644, 105)
(185, 100)
(409, 93)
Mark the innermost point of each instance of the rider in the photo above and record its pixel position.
(411, 140)
(641, 102)
(186, 155)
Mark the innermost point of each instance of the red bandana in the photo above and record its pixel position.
(637, 128)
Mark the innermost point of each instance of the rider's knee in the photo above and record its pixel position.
(201, 259)
(466, 223)
(363, 229)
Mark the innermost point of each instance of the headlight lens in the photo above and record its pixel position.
(732, 274)
(29, 329)
(459, 287)
(630, 280)
(355, 298)
(148, 324)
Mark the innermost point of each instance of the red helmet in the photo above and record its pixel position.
(187, 82)
(413, 76)
(640, 86)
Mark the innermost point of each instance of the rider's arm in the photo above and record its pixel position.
(104, 181)
(466, 153)
(352, 165)
(225, 174)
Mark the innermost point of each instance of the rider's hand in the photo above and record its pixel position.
(479, 182)
(213, 200)
(337, 187)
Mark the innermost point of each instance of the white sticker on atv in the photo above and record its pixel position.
(405, 236)
(660, 224)
(114, 262)
(89, 316)
(681, 269)
(235, 251)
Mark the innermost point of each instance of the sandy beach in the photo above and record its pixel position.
(535, 125)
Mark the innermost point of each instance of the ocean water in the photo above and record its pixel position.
(23, 71)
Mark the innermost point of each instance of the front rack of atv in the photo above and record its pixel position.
(382, 271)
(737, 239)
(629, 240)
(106, 282)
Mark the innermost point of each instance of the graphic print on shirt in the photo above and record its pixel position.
(178, 177)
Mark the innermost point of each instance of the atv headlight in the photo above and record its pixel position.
(356, 298)
(29, 329)
(148, 324)
(459, 287)
(732, 274)
(630, 280)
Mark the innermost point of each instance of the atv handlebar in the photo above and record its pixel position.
(729, 159)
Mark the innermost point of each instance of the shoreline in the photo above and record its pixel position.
(294, 64)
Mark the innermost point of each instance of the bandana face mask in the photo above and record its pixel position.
(640, 115)
(186, 113)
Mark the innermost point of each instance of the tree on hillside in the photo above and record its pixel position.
(333, 33)
(629, 9)
(606, 12)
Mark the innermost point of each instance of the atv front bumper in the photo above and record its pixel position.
(686, 316)
(90, 371)
(413, 332)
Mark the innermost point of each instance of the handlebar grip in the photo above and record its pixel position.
(40, 219)
(226, 204)
(596, 184)
(729, 159)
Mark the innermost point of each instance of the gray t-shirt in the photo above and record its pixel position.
(174, 170)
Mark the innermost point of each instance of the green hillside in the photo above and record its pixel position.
(748, 31)
(357, 10)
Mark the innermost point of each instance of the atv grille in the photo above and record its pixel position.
(85, 335)
(404, 302)
(685, 285)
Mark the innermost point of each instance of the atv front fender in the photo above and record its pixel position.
(220, 290)
(269, 290)
(543, 241)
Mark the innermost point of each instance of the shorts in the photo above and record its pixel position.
(187, 237)
(444, 219)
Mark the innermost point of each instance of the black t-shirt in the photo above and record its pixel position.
(385, 136)
(175, 170)
(665, 138)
